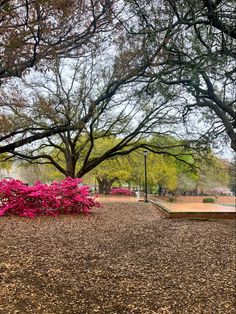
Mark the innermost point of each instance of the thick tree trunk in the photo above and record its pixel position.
(104, 185)
(107, 187)
(70, 165)
(100, 186)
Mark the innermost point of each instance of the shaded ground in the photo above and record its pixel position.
(123, 258)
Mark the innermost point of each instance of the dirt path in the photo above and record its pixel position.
(123, 258)
(120, 198)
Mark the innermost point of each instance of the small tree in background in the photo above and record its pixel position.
(232, 175)
(5, 163)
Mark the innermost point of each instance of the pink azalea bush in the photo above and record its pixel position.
(121, 191)
(65, 197)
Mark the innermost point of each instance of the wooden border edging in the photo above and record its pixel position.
(193, 215)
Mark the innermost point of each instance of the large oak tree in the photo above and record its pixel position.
(181, 50)
(101, 105)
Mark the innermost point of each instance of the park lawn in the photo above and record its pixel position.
(122, 258)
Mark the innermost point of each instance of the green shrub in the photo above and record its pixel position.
(208, 200)
(171, 199)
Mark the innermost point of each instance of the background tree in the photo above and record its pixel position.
(211, 173)
(161, 171)
(232, 175)
(5, 165)
(186, 184)
(117, 170)
(129, 170)
(29, 173)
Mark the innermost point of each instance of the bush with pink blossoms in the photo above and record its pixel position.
(65, 197)
(121, 191)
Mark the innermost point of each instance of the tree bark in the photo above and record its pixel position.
(104, 185)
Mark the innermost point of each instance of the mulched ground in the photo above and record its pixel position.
(123, 258)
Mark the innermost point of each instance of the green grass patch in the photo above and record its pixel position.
(171, 199)
(208, 200)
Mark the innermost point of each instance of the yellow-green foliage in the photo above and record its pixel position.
(4, 163)
(118, 167)
(160, 170)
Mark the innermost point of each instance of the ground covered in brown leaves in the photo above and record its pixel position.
(123, 258)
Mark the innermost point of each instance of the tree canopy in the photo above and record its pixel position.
(74, 73)
(35, 32)
(198, 63)
(124, 119)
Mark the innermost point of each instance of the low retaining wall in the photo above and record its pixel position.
(197, 199)
(192, 215)
(203, 215)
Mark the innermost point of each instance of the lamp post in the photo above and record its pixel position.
(145, 152)
(95, 187)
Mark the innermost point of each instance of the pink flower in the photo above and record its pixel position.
(43, 199)
(121, 191)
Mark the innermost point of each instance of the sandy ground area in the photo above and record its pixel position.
(198, 207)
(122, 258)
(113, 198)
(199, 199)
